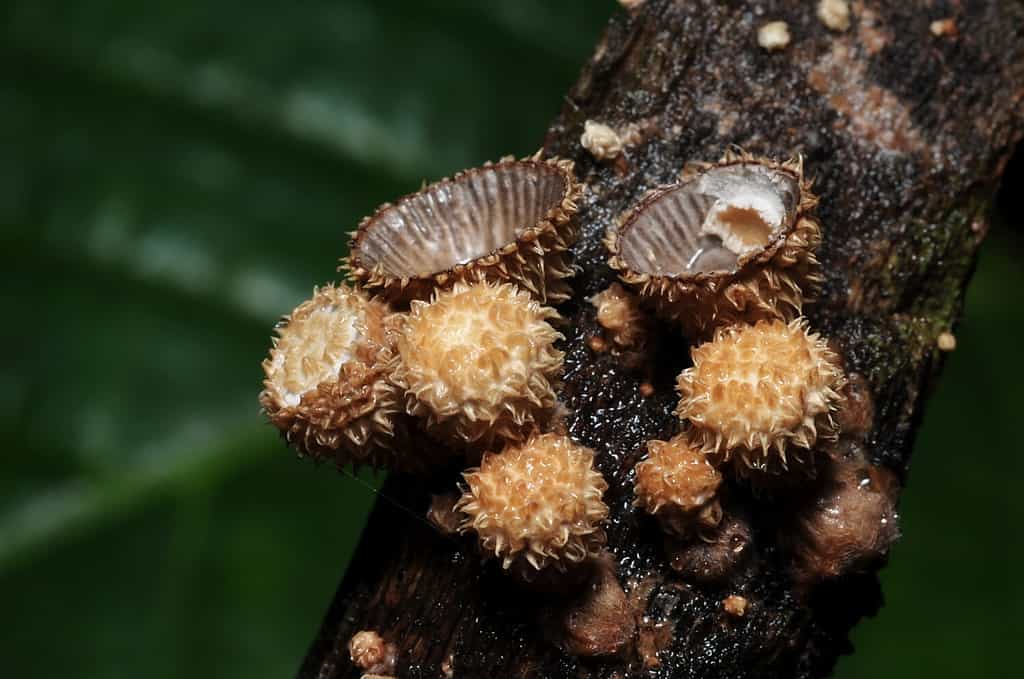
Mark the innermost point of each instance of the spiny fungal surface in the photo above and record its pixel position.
(327, 385)
(761, 395)
(477, 364)
(730, 242)
(677, 484)
(508, 221)
(537, 504)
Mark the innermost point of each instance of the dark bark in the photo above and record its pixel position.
(906, 134)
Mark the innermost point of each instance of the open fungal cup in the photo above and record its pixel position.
(327, 385)
(730, 242)
(507, 221)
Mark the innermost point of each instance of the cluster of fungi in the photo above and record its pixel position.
(444, 350)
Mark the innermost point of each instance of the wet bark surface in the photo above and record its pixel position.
(906, 134)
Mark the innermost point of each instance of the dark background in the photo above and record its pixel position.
(176, 175)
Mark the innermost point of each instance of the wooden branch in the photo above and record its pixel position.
(906, 133)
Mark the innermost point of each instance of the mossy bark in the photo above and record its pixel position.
(906, 134)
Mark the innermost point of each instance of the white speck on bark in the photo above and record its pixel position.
(835, 14)
(946, 341)
(600, 140)
(944, 28)
(773, 36)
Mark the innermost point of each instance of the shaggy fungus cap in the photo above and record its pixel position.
(730, 242)
(677, 484)
(507, 221)
(327, 385)
(761, 395)
(537, 504)
(477, 364)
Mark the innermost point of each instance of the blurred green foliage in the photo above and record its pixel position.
(177, 175)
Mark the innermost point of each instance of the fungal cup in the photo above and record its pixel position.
(731, 242)
(507, 221)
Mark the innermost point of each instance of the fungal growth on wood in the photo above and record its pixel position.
(761, 396)
(619, 313)
(717, 555)
(537, 505)
(370, 653)
(731, 242)
(507, 221)
(722, 531)
(849, 524)
(478, 363)
(677, 484)
(328, 386)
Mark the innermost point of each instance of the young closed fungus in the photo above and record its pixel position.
(735, 605)
(848, 525)
(369, 652)
(477, 364)
(761, 396)
(619, 312)
(718, 554)
(730, 242)
(677, 484)
(328, 386)
(537, 505)
(508, 221)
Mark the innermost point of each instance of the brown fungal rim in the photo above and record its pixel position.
(561, 212)
(691, 173)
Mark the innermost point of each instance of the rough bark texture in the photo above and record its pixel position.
(907, 134)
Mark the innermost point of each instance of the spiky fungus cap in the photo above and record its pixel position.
(477, 364)
(761, 395)
(537, 504)
(507, 221)
(327, 384)
(677, 484)
(730, 242)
